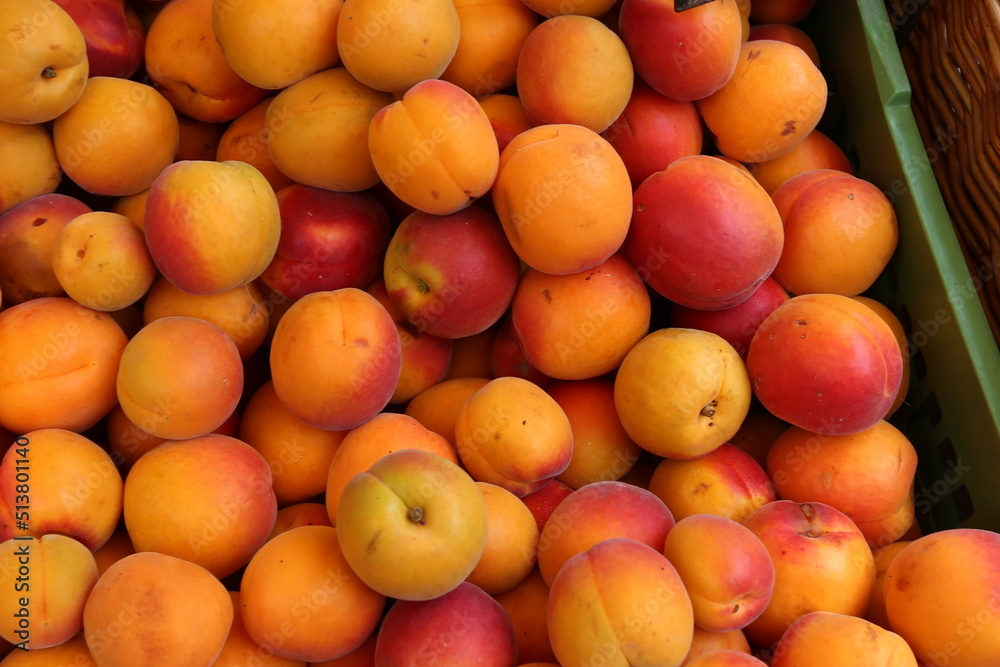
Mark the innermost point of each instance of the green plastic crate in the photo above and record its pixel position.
(952, 413)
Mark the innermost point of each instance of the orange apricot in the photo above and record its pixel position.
(511, 542)
(815, 151)
(436, 408)
(245, 138)
(490, 38)
(28, 164)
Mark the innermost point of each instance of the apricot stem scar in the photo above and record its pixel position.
(707, 411)
(416, 514)
(49, 73)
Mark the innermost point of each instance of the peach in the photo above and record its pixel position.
(681, 393)
(245, 138)
(725, 482)
(688, 245)
(434, 148)
(117, 138)
(506, 114)
(564, 198)
(240, 312)
(30, 167)
(574, 69)
(526, 605)
(101, 261)
(297, 453)
(363, 445)
(113, 33)
(300, 600)
(597, 512)
(902, 339)
(328, 240)
(725, 658)
(868, 475)
(630, 598)
(28, 235)
(815, 151)
(952, 572)
(684, 55)
(544, 501)
(841, 638)
(300, 514)
(581, 325)
(301, 39)
(490, 38)
(211, 226)
(513, 434)
(602, 450)
(392, 46)
(316, 131)
(653, 130)
(207, 500)
(751, 127)
(240, 649)
(49, 578)
(413, 526)
(825, 363)
(840, 234)
(726, 570)
(451, 275)
(41, 82)
(152, 607)
(58, 364)
(736, 324)
(179, 377)
(462, 626)
(821, 563)
(511, 542)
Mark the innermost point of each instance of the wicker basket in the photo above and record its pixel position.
(951, 51)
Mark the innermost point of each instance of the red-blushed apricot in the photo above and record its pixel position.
(117, 138)
(300, 514)
(298, 454)
(180, 377)
(526, 605)
(725, 658)
(436, 408)
(511, 542)
(341, 343)
(841, 637)
(507, 356)
(30, 167)
(301, 39)
(786, 32)
(703, 641)
(211, 226)
(241, 650)
(751, 127)
(245, 138)
(471, 355)
(574, 69)
(58, 364)
(899, 331)
(392, 46)
(151, 607)
(564, 198)
(48, 579)
(507, 116)
(114, 35)
(207, 500)
(198, 139)
(316, 130)
(544, 501)
(629, 597)
(102, 262)
(757, 433)
(304, 569)
(41, 82)
(490, 38)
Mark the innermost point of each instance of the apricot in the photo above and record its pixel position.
(211, 226)
(507, 116)
(102, 262)
(899, 331)
(198, 139)
(186, 62)
(511, 542)
(240, 312)
(179, 377)
(132, 207)
(49, 579)
(786, 32)
(362, 656)
(245, 138)
(240, 649)
(316, 131)
(471, 356)
(58, 364)
(513, 434)
(780, 11)
(883, 556)
(207, 500)
(301, 39)
(44, 61)
(823, 637)
(151, 607)
(757, 433)
(703, 641)
(526, 605)
(117, 138)
(550, 8)
(73, 651)
(507, 356)
(581, 325)
(436, 408)
(434, 148)
(126, 441)
(574, 69)
(490, 38)
(681, 393)
(30, 167)
(392, 46)
(28, 235)
(341, 343)
(751, 127)
(815, 151)
(117, 547)
(300, 579)
(725, 658)
(564, 198)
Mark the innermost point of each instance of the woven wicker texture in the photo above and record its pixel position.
(952, 57)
